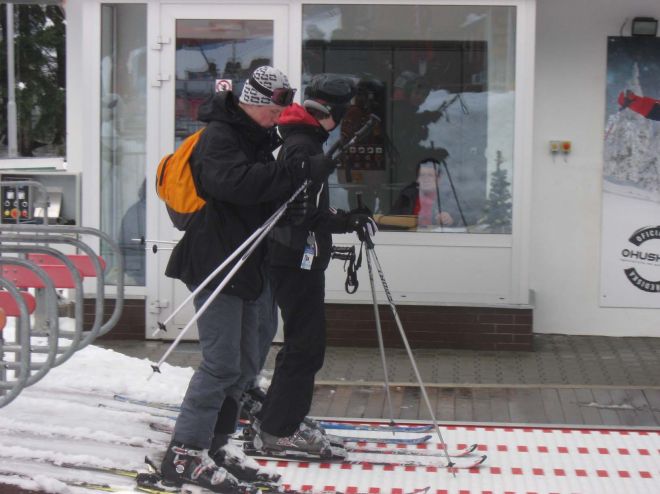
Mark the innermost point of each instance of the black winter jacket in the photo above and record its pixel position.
(234, 171)
(304, 137)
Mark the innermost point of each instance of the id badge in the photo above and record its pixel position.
(308, 258)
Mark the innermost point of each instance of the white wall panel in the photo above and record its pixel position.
(419, 274)
(566, 210)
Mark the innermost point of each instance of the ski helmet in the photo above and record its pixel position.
(329, 94)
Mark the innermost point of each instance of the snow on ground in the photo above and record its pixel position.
(70, 416)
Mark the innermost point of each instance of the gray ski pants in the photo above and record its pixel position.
(230, 346)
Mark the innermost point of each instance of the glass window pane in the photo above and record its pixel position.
(123, 132)
(215, 52)
(441, 81)
(32, 116)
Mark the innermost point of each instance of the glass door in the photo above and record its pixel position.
(204, 48)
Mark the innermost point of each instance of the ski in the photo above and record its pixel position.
(326, 424)
(95, 486)
(145, 403)
(367, 440)
(168, 429)
(154, 481)
(298, 456)
(150, 483)
(348, 426)
(382, 440)
(129, 410)
(457, 453)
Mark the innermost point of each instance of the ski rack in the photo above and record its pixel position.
(32, 272)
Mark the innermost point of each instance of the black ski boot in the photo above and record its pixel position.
(251, 401)
(189, 465)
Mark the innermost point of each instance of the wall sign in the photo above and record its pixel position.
(630, 243)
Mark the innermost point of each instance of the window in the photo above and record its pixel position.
(214, 54)
(441, 81)
(123, 132)
(32, 80)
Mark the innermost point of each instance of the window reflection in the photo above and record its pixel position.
(211, 53)
(441, 81)
(123, 135)
(32, 113)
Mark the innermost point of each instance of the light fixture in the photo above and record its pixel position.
(644, 26)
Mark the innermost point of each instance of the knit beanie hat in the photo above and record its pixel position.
(263, 80)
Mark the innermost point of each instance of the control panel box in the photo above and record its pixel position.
(16, 204)
(25, 203)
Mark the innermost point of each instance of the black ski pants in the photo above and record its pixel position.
(300, 295)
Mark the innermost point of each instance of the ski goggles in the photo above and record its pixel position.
(281, 96)
(337, 111)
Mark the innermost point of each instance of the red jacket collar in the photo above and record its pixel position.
(296, 114)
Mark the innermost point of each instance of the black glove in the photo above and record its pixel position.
(362, 224)
(317, 168)
(297, 211)
(321, 167)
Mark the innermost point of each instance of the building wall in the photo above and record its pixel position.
(566, 196)
(571, 49)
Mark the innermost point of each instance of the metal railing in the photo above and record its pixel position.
(38, 341)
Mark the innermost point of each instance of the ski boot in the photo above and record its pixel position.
(251, 402)
(237, 463)
(306, 441)
(187, 465)
(336, 441)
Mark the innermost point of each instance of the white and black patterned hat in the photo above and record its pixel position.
(263, 80)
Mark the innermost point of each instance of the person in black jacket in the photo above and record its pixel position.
(299, 253)
(234, 171)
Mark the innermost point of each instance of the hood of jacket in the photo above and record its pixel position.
(296, 119)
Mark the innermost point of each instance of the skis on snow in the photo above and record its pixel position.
(153, 483)
(390, 446)
(413, 441)
(457, 463)
(325, 424)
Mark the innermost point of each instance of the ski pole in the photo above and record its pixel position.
(379, 333)
(371, 252)
(453, 189)
(262, 232)
(274, 217)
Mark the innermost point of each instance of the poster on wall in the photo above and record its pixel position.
(630, 244)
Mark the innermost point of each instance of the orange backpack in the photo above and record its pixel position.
(175, 186)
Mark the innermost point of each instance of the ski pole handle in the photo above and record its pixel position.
(360, 204)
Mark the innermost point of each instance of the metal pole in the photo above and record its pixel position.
(262, 233)
(270, 222)
(12, 141)
(450, 463)
(379, 332)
